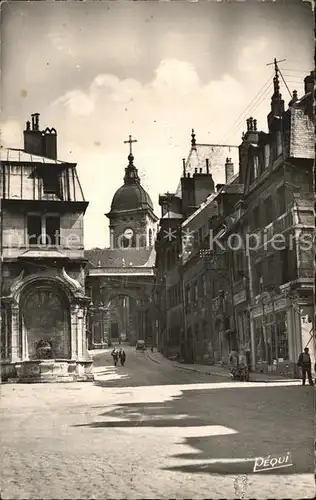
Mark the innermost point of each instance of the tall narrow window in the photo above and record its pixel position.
(278, 143)
(256, 218)
(255, 167)
(268, 209)
(150, 238)
(52, 236)
(34, 230)
(187, 296)
(285, 262)
(266, 155)
(281, 200)
(258, 276)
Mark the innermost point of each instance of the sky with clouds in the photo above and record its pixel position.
(99, 71)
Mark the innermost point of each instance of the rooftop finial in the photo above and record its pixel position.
(276, 85)
(130, 142)
(193, 141)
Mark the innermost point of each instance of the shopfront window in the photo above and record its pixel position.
(260, 343)
(282, 335)
(277, 333)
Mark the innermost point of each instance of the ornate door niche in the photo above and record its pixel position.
(45, 323)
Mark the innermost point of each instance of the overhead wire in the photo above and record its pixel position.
(264, 88)
(246, 113)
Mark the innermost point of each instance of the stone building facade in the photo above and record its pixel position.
(255, 289)
(184, 230)
(43, 302)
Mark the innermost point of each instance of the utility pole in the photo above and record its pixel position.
(277, 72)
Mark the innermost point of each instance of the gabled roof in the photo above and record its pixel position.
(227, 188)
(121, 258)
(216, 155)
(19, 155)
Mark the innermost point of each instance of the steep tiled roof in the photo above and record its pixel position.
(25, 177)
(18, 155)
(216, 155)
(120, 258)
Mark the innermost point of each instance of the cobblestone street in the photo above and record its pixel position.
(153, 431)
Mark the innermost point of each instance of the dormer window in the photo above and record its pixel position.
(51, 185)
(266, 155)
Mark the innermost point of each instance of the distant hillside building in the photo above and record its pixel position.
(43, 302)
(120, 278)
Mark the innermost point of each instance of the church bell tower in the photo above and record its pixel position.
(132, 218)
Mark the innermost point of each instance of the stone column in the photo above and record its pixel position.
(74, 330)
(84, 340)
(80, 323)
(15, 333)
(5, 348)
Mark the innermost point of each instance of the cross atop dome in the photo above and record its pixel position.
(130, 142)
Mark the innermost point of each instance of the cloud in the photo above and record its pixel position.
(10, 134)
(176, 76)
(94, 123)
(78, 103)
(251, 53)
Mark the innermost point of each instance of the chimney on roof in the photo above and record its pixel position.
(183, 164)
(39, 142)
(294, 98)
(35, 121)
(309, 83)
(229, 170)
(252, 131)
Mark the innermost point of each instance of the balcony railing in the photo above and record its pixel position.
(278, 226)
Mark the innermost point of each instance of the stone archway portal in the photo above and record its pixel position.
(46, 323)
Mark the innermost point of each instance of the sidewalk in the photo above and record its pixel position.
(219, 371)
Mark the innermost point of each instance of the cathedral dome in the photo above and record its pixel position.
(131, 196)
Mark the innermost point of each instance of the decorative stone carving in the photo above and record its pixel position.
(16, 283)
(75, 286)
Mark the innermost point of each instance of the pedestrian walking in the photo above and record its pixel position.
(114, 354)
(304, 361)
(123, 357)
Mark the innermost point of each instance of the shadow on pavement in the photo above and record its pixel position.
(268, 421)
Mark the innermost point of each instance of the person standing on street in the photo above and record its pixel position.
(114, 354)
(123, 357)
(304, 361)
